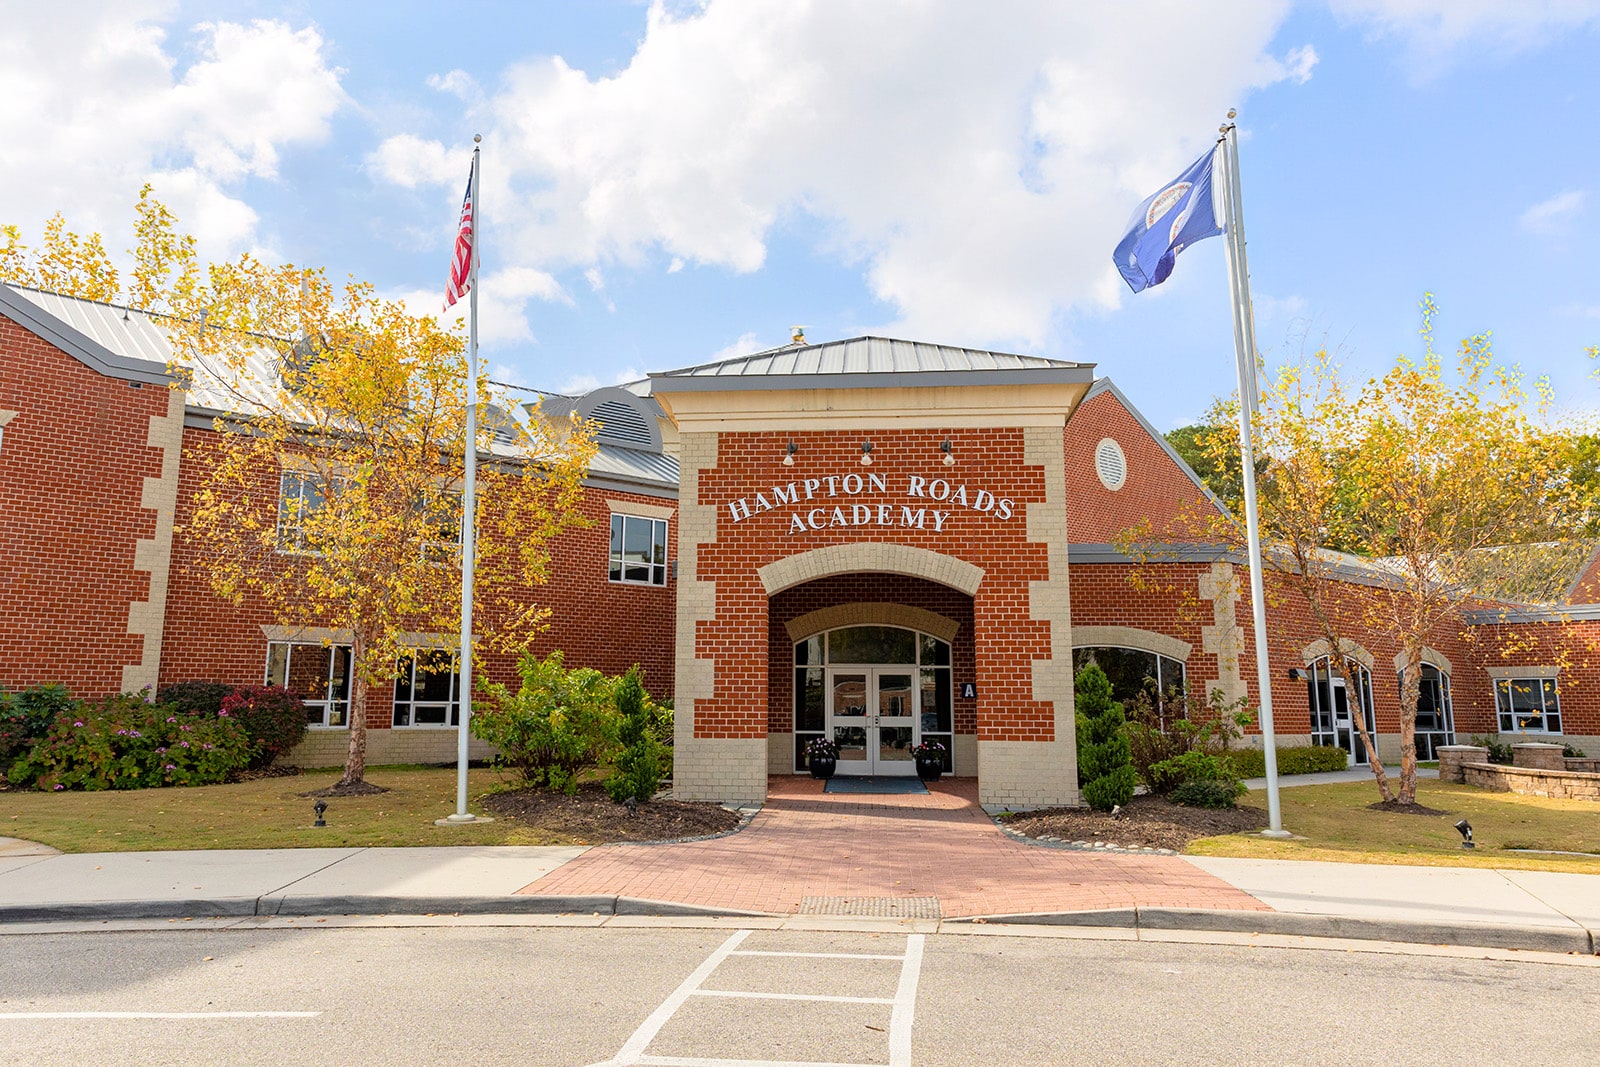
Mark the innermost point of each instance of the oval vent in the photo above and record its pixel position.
(1110, 464)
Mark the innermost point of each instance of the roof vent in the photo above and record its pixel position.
(623, 423)
(1110, 464)
(799, 337)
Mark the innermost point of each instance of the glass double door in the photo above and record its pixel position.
(872, 717)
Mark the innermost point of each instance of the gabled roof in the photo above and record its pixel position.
(869, 362)
(107, 339)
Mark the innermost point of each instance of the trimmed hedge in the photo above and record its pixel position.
(1295, 759)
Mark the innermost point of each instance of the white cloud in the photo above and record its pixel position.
(584, 383)
(81, 136)
(596, 280)
(676, 265)
(457, 83)
(1436, 32)
(746, 344)
(1549, 216)
(978, 170)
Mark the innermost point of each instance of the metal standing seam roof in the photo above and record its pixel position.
(133, 334)
(861, 357)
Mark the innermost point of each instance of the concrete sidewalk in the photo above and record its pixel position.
(928, 860)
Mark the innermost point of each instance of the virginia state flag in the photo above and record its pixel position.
(1166, 224)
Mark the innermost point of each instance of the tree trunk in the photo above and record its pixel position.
(355, 760)
(1410, 690)
(1355, 699)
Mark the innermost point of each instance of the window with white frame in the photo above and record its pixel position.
(441, 517)
(638, 550)
(301, 494)
(318, 674)
(1435, 718)
(1528, 705)
(427, 689)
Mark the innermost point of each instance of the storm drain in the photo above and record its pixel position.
(873, 907)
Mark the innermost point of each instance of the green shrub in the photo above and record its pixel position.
(25, 718)
(663, 728)
(194, 698)
(556, 725)
(1571, 751)
(273, 719)
(122, 742)
(1171, 775)
(1292, 759)
(1499, 752)
(1206, 793)
(637, 770)
(1105, 770)
(1157, 736)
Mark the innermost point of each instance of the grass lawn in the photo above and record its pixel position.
(1333, 822)
(268, 813)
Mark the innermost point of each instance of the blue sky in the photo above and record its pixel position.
(688, 181)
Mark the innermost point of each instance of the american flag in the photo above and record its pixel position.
(461, 264)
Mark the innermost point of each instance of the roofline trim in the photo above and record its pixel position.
(1072, 374)
(79, 346)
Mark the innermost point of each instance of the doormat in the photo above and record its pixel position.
(874, 784)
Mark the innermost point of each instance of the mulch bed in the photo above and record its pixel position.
(354, 789)
(1144, 822)
(273, 770)
(592, 817)
(1412, 808)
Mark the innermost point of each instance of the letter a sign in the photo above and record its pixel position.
(969, 691)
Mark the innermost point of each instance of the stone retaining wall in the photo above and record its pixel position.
(1528, 781)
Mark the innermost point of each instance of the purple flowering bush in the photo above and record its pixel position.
(122, 742)
(25, 717)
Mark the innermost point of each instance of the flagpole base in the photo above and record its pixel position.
(1280, 835)
(462, 820)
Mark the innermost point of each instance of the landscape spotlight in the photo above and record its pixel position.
(1466, 834)
(319, 807)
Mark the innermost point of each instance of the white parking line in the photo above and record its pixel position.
(903, 1010)
(158, 1014)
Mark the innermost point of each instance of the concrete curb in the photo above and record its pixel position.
(1476, 935)
(281, 905)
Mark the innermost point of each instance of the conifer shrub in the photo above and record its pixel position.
(636, 772)
(1105, 766)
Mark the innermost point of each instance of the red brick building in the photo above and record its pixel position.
(871, 540)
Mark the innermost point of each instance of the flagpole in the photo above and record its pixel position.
(1244, 343)
(469, 499)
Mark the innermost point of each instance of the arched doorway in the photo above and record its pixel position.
(877, 691)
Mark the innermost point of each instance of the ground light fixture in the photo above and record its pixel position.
(949, 459)
(1466, 834)
(866, 453)
(319, 807)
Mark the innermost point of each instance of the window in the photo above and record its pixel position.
(441, 518)
(318, 675)
(427, 689)
(1435, 719)
(1331, 722)
(1528, 705)
(1133, 671)
(638, 550)
(301, 494)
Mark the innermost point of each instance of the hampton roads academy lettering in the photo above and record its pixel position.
(922, 512)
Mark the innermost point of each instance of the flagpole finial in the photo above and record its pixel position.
(477, 138)
(1232, 113)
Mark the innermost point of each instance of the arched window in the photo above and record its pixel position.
(1134, 672)
(879, 657)
(1436, 723)
(1331, 722)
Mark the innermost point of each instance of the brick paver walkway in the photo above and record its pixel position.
(807, 843)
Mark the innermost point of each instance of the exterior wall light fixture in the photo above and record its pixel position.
(788, 454)
(866, 453)
(949, 459)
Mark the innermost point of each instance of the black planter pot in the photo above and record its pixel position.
(822, 766)
(929, 770)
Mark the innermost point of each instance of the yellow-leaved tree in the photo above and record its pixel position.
(331, 490)
(1391, 507)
